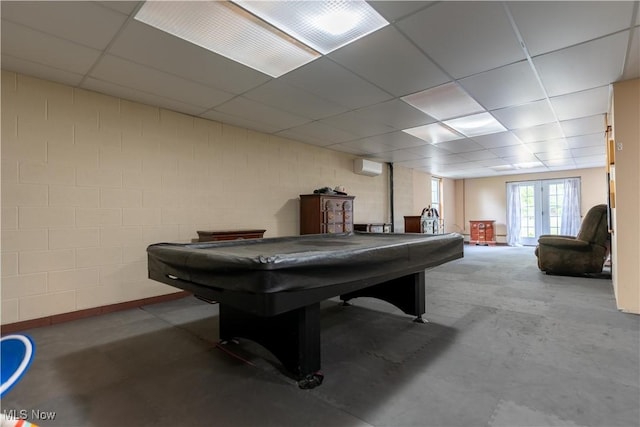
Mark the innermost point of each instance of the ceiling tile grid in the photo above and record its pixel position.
(543, 70)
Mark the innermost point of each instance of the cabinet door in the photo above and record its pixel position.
(489, 232)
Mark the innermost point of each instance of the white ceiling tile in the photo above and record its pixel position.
(495, 140)
(82, 22)
(507, 86)
(396, 113)
(581, 104)
(420, 164)
(330, 81)
(554, 155)
(139, 96)
(295, 100)
(394, 156)
(345, 149)
(451, 159)
(599, 62)
(560, 163)
(129, 74)
(39, 48)
(522, 158)
(261, 113)
(594, 139)
(320, 132)
(547, 146)
(590, 161)
(391, 10)
(125, 7)
(539, 133)
(444, 41)
(388, 60)
(496, 161)
(479, 155)
(632, 64)
(149, 46)
(29, 68)
(589, 151)
(548, 26)
(460, 146)
(364, 146)
(357, 125)
(464, 38)
(512, 151)
(428, 150)
(239, 121)
(525, 115)
(584, 125)
(396, 140)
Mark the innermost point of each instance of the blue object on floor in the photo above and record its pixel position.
(16, 355)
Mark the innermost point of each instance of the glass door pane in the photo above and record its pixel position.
(553, 198)
(528, 213)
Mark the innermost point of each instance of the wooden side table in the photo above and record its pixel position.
(213, 236)
(482, 233)
(373, 228)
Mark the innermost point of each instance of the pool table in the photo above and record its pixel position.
(269, 290)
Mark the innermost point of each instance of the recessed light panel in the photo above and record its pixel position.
(433, 133)
(476, 125)
(230, 31)
(444, 102)
(323, 25)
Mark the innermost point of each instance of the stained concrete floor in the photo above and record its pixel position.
(506, 346)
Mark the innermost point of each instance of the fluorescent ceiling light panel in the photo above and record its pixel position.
(323, 25)
(444, 102)
(433, 133)
(476, 125)
(528, 165)
(230, 31)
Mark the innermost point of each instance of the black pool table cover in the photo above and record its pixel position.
(269, 290)
(300, 262)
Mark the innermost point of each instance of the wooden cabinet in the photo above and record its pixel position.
(323, 213)
(482, 232)
(412, 224)
(214, 236)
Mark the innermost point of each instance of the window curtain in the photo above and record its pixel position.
(513, 214)
(570, 222)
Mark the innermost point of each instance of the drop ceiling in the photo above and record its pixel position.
(543, 70)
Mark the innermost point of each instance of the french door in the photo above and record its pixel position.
(541, 204)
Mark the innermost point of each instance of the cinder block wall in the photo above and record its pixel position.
(89, 180)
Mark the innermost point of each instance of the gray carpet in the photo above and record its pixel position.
(506, 346)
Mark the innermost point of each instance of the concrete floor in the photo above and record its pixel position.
(506, 346)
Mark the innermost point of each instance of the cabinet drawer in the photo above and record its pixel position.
(333, 228)
(333, 216)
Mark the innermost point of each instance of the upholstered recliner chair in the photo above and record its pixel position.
(578, 255)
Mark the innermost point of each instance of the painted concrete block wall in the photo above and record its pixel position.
(486, 198)
(89, 180)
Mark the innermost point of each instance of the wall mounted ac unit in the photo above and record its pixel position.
(367, 167)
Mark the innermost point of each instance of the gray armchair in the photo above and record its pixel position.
(578, 255)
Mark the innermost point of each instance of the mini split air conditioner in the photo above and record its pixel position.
(367, 167)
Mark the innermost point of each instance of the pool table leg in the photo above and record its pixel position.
(293, 337)
(406, 292)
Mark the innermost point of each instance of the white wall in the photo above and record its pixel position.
(626, 234)
(89, 180)
(486, 198)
